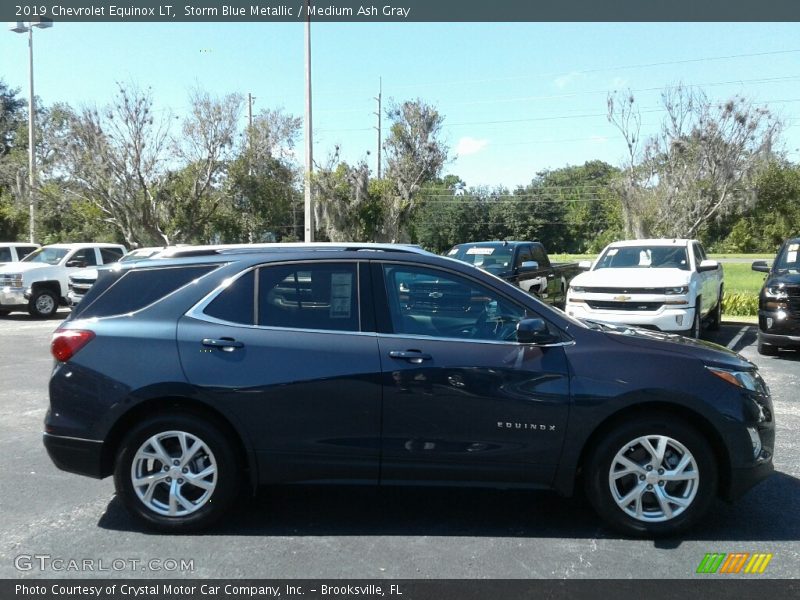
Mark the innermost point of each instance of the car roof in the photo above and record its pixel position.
(494, 243)
(85, 245)
(17, 244)
(652, 242)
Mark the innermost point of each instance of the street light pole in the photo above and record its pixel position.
(21, 27)
(309, 200)
(31, 145)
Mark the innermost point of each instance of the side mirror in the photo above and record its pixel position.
(707, 265)
(529, 265)
(761, 266)
(585, 265)
(534, 331)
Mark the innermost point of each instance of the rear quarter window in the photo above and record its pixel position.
(136, 289)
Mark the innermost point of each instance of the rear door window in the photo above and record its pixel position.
(110, 255)
(5, 255)
(235, 303)
(321, 296)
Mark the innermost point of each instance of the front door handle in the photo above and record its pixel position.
(225, 344)
(412, 356)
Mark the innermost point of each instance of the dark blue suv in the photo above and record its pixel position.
(188, 377)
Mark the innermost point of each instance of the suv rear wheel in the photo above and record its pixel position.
(176, 473)
(652, 476)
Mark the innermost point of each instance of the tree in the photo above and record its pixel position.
(345, 203)
(775, 216)
(117, 159)
(415, 155)
(703, 163)
(11, 117)
(207, 144)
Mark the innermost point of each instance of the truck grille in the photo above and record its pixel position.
(632, 306)
(794, 300)
(80, 286)
(632, 290)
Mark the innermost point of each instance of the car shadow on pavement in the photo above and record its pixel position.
(766, 513)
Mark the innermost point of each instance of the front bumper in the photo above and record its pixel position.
(13, 296)
(75, 455)
(73, 299)
(779, 328)
(744, 479)
(678, 319)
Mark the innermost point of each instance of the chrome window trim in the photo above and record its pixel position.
(472, 341)
(196, 312)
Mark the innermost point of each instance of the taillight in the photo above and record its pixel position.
(67, 342)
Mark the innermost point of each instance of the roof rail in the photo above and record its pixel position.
(223, 249)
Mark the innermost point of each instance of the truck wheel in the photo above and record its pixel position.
(716, 315)
(43, 304)
(652, 475)
(176, 473)
(694, 332)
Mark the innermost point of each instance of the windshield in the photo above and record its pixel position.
(491, 258)
(644, 257)
(788, 259)
(50, 256)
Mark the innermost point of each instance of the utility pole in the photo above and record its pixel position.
(309, 201)
(250, 99)
(380, 94)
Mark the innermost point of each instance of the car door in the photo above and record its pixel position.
(462, 400)
(284, 348)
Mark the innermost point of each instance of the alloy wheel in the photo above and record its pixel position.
(174, 473)
(653, 478)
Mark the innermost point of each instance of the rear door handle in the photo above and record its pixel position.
(224, 344)
(412, 356)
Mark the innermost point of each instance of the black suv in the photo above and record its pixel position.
(188, 377)
(779, 301)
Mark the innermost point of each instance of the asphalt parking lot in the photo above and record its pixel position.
(364, 532)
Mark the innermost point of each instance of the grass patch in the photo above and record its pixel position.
(741, 279)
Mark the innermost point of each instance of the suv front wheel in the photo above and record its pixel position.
(652, 476)
(177, 473)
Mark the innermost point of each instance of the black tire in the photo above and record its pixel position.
(43, 304)
(716, 315)
(623, 439)
(766, 349)
(207, 508)
(696, 328)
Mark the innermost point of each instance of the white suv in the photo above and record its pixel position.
(662, 284)
(39, 282)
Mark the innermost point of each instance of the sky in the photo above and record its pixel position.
(517, 98)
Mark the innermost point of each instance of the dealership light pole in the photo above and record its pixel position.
(309, 201)
(21, 27)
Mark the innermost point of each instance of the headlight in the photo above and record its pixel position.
(777, 292)
(13, 279)
(577, 289)
(742, 379)
(677, 291)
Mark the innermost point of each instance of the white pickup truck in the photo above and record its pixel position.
(663, 284)
(38, 283)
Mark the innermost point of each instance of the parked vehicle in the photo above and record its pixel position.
(38, 283)
(524, 264)
(80, 281)
(15, 251)
(333, 363)
(779, 301)
(666, 284)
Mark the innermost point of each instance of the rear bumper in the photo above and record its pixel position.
(75, 455)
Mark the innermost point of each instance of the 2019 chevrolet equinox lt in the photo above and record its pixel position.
(188, 377)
